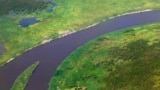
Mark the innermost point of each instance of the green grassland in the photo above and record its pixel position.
(68, 15)
(121, 60)
(22, 80)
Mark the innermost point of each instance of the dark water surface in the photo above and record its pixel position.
(25, 22)
(52, 54)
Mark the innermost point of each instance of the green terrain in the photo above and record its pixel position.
(22, 80)
(67, 16)
(122, 60)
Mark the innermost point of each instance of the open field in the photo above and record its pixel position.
(69, 15)
(22, 80)
(121, 60)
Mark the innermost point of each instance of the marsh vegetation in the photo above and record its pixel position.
(122, 60)
(68, 15)
(17, 6)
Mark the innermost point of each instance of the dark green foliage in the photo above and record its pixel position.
(21, 5)
(132, 51)
(138, 74)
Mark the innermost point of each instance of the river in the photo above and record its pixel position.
(53, 53)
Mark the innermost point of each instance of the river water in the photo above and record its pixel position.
(53, 53)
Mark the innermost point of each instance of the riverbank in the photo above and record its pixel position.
(118, 60)
(68, 16)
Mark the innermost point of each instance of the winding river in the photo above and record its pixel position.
(53, 53)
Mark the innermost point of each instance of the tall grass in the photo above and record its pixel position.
(129, 62)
